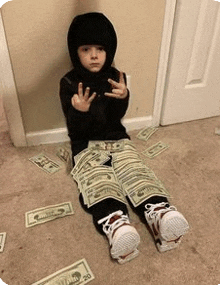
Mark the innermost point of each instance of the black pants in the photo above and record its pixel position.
(110, 205)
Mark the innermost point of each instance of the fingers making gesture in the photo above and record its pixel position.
(119, 90)
(80, 101)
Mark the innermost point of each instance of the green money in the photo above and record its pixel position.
(155, 149)
(84, 155)
(2, 241)
(103, 191)
(217, 131)
(63, 154)
(82, 160)
(78, 273)
(46, 214)
(146, 133)
(111, 146)
(45, 163)
(145, 191)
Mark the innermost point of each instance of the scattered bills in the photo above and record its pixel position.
(63, 154)
(78, 273)
(155, 149)
(46, 214)
(217, 131)
(146, 133)
(128, 176)
(2, 241)
(45, 163)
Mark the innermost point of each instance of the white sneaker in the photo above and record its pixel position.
(123, 238)
(167, 225)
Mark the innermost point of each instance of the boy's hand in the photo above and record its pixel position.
(82, 102)
(119, 90)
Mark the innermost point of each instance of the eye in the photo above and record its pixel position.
(85, 49)
(101, 48)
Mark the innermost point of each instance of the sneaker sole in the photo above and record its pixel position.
(128, 257)
(174, 226)
(126, 240)
(163, 245)
(172, 229)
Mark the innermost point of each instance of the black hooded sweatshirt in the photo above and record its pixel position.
(103, 120)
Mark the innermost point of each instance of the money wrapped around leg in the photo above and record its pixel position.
(103, 197)
(149, 199)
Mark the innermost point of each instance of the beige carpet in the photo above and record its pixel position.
(190, 169)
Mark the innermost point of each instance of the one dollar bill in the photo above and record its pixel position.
(46, 214)
(78, 273)
(2, 241)
(155, 149)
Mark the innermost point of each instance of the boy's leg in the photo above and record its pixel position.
(147, 196)
(103, 209)
(110, 217)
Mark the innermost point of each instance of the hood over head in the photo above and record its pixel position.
(91, 29)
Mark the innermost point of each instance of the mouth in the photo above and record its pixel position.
(94, 64)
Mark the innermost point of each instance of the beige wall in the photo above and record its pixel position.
(36, 34)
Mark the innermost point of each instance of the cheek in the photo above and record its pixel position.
(84, 60)
(104, 58)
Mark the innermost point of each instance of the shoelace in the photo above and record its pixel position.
(110, 228)
(151, 212)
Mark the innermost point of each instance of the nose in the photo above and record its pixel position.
(94, 53)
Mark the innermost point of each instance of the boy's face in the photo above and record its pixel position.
(92, 57)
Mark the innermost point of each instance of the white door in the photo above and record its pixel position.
(192, 88)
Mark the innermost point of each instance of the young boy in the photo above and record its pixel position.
(94, 99)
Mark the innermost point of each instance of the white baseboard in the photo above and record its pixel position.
(137, 123)
(60, 134)
(47, 137)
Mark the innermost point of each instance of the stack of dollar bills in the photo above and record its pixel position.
(137, 180)
(128, 175)
(95, 180)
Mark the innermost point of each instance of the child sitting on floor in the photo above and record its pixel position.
(94, 99)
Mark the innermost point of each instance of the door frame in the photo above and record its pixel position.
(9, 93)
(169, 17)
